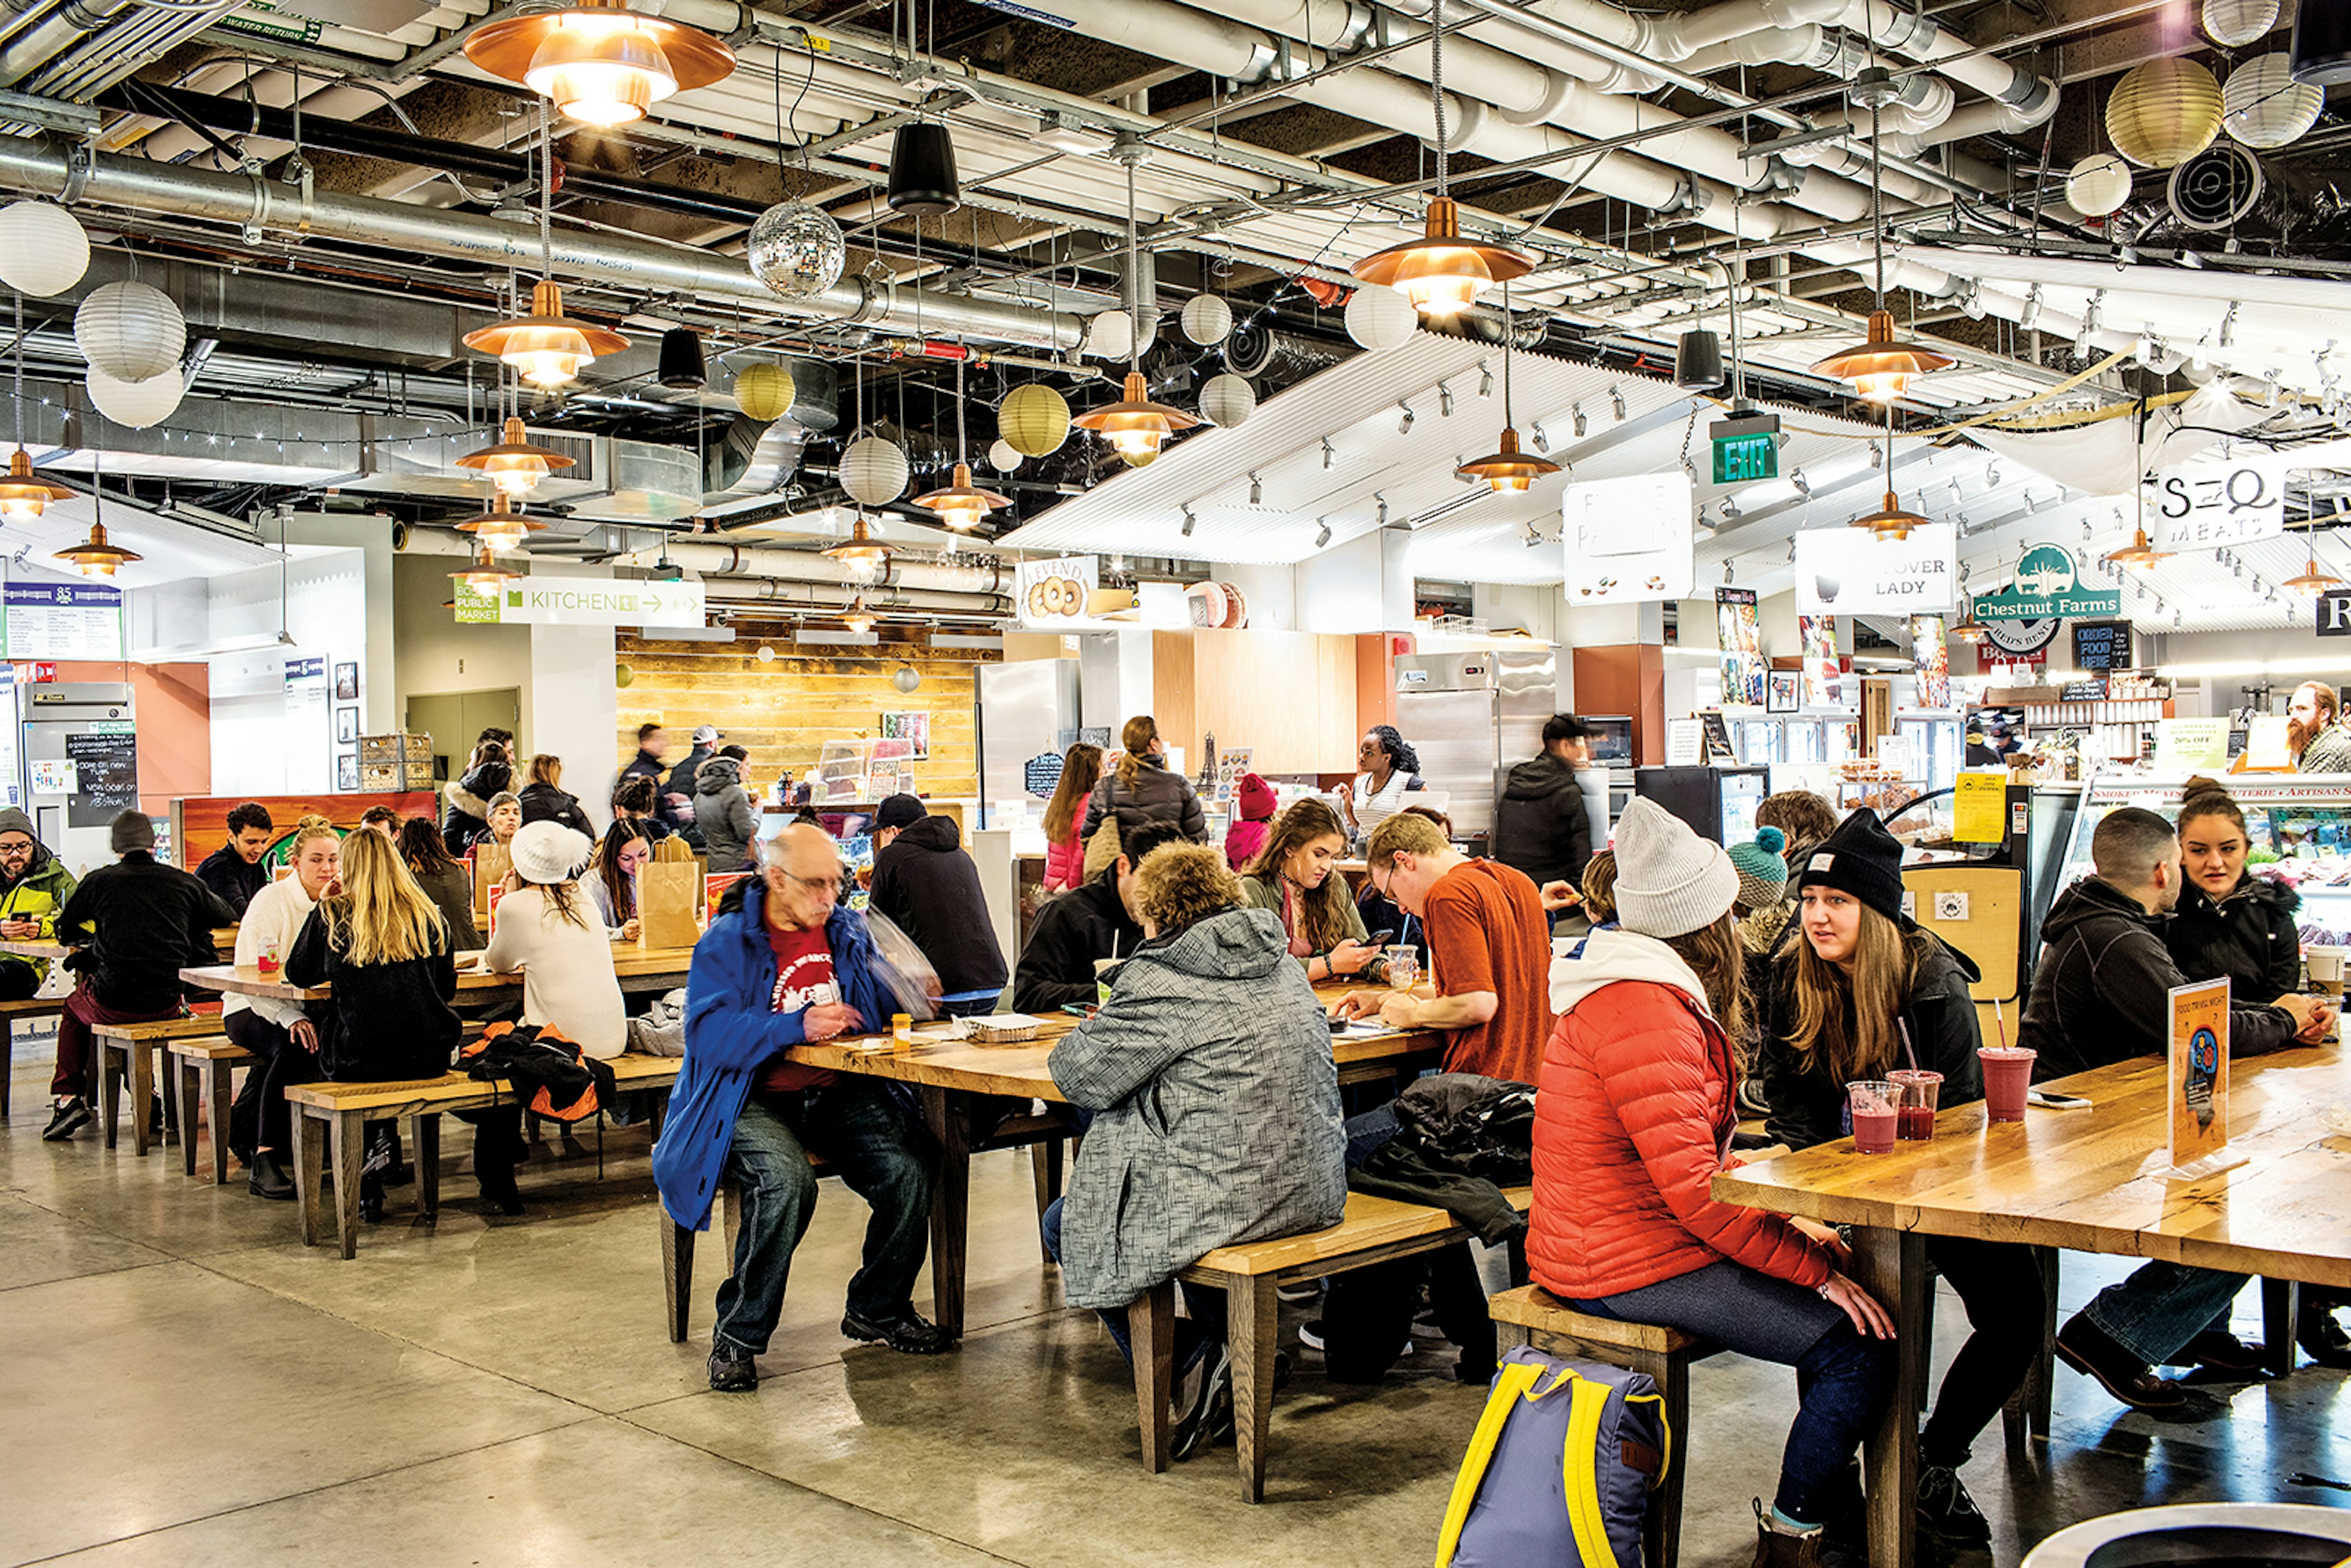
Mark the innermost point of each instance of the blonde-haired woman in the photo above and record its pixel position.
(380, 943)
(1140, 790)
(269, 1025)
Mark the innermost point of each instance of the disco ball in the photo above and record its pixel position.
(797, 250)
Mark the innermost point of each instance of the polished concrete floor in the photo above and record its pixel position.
(184, 1384)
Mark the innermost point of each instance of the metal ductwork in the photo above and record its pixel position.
(986, 577)
(1257, 348)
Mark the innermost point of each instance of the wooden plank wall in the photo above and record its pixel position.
(784, 711)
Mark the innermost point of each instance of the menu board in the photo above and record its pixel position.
(2102, 645)
(1041, 774)
(63, 621)
(106, 777)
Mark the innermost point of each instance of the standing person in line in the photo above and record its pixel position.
(1389, 769)
(792, 964)
(34, 887)
(2321, 744)
(1862, 992)
(235, 871)
(635, 801)
(677, 803)
(1295, 875)
(612, 879)
(2100, 995)
(443, 878)
(141, 922)
(1491, 945)
(723, 811)
(377, 940)
(925, 885)
(1543, 827)
(651, 741)
(544, 799)
(1065, 843)
(2236, 924)
(489, 775)
(1633, 1119)
(1254, 804)
(1140, 790)
(265, 1025)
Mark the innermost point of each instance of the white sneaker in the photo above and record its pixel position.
(1310, 1336)
(1304, 1291)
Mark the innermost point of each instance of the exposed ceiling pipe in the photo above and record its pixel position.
(60, 29)
(984, 575)
(634, 264)
(822, 601)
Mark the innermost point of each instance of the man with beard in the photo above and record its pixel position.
(2320, 745)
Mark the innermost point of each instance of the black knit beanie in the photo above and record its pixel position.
(1860, 858)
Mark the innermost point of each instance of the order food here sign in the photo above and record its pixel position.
(595, 601)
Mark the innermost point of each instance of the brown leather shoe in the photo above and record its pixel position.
(1776, 1547)
(2090, 1350)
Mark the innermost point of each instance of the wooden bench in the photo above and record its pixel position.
(1374, 1230)
(204, 1079)
(330, 1121)
(127, 1052)
(1042, 1136)
(1531, 1315)
(10, 1015)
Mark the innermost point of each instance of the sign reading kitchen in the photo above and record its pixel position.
(2046, 587)
(1848, 572)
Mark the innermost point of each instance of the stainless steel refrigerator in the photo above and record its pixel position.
(1027, 711)
(1471, 717)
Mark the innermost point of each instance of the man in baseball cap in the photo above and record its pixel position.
(676, 805)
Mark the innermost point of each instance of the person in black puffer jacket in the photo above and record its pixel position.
(544, 800)
(1140, 790)
(490, 773)
(925, 883)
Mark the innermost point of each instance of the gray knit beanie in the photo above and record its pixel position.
(1669, 882)
(130, 830)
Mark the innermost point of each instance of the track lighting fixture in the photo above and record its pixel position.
(1616, 403)
(1485, 380)
(2228, 327)
(1804, 485)
(1188, 521)
(1257, 491)
(2032, 316)
(1576, 413)
(1444, 400)
(1404, 425)
(1330, 456)
(1543, 442)
(1322, 533)
(1383, 501)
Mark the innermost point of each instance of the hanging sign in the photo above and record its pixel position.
(1746, 448)
(597, 602)
(2213, 502)
(64, 620)
(474, 608)
(2102, 645)
(1055, 593)
(1739, 638)
(1628, 540)
(1823, 668)
(1850, 571)
(1930, 654)
(2191, 745)
(2331, 616)
(2047, 587)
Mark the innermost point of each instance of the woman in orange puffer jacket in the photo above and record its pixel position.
(1633, 1116)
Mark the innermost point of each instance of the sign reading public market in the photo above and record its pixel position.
(2046, 588)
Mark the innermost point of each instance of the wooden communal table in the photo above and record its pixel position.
(638, 969)
(2087, 1181)
(223, 943)
(953, 1078)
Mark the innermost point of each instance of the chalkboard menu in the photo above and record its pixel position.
(2102, 645)
(2083, 692)
(106, 779)
(1041, 773)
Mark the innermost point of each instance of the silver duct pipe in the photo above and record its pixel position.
(65, 25)
(981, 577)
(816, 598)
(257, 203)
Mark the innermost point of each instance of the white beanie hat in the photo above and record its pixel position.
(548, 851)
(1669, 882)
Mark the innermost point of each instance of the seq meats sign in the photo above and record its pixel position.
(2047, 587)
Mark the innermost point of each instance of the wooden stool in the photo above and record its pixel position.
(1531, 1315)
(11, 1013)
(205, 1078)
(126, 1054)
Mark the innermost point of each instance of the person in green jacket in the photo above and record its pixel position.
(33, 885)
(1296, 875)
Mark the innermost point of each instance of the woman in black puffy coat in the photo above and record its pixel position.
(490, 773)
(1140, 790)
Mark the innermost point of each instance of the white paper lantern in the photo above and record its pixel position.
(2099, 184)
(1003, 457)
(137, 404)
(2263, 106)
(1208, 319)
(2236, 22)
(42, 249)
(1111, 336)
(1227, 400)
(1381, 318)
(129, 331)
(874, 470)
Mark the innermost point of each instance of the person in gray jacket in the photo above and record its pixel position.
(1215, 1109)
(722, 810)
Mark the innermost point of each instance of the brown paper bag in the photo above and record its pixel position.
(669, 896)
(491, 863)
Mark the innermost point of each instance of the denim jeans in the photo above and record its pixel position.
(979, 1006)
(1194, 1335)
(1842, 1380)
(2162, 1307)
(875, 1147)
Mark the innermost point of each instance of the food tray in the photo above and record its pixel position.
(1004, 1029)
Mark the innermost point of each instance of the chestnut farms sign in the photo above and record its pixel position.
(2046, 587)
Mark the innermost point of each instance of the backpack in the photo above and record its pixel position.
(1573, 1449)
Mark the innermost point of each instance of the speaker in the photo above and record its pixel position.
(682, 365)
(923, 171)
(1698, 362)
(2322, 42)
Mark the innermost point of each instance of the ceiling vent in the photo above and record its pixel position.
(2218, 187)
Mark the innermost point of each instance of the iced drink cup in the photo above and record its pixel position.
(2007, 1075)
(1105, 972)
(1404, 966)
(1920, 1090)
(1876, 1109)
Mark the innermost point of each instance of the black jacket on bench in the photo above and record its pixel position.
(142, 922)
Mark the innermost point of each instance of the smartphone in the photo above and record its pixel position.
(2050, 1100)
(1379, 938)
(1082, 1009)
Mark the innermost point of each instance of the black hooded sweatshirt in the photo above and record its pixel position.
(2100, 991)
(144, 922)
(232, 878)
(930, 889)
(1542, 828)
(1072, 931)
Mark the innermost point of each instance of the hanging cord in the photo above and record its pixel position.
(1134, 282)
(1509, 332)
(545, 194)
(1877, 202)
(20, 369)
(1436, 89)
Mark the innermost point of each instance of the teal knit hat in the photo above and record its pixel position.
(1762, 875)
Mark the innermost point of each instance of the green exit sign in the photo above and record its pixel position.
(1746, 448)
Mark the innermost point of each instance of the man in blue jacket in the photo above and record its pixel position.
(791, 966)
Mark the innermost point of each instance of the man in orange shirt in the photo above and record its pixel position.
(1489, 945)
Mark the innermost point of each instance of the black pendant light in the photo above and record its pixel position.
(923, 171)
(1698, 362)
(682, 365)
(2321, 51)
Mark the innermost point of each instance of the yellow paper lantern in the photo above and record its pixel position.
(1034, 420)
(2164, 113)
(623, 675)
(763, 391)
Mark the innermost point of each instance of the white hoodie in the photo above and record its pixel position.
(1580, 967)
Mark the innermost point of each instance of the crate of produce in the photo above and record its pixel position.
(395, 749)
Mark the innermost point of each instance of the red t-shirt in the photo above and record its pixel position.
(804, 980)
(1486, 933)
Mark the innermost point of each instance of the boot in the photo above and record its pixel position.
(1779, 1545)
(265, 1177)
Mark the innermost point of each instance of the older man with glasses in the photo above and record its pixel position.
(33, 885)
(792, 965)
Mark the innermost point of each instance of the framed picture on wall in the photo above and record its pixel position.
(347, 771)
(346, 683)
(347, 726)
(909, 727)
(1783, 690)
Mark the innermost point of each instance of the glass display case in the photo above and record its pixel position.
(1932, 740)
(2299, 825)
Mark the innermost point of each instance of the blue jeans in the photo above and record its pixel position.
(1194, 1335)
(1843, 1381)
(2163, 1306)
(974, 1004)
(877, 1149)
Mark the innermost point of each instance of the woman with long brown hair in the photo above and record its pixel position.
(1296, 876)
(1065, 845)
(1864, 993)
(1633, 1119)
(1142, 791)
(443, 878)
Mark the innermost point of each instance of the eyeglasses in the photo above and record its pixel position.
(828, 884)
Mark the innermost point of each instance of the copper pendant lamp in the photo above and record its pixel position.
(598, 60)
(501, 527)
(515, 465)
(2140, 553)
(488, 574)
(1134, 425)
(861, 549)
(2312, 579)
(547, 348)
(24, 497)
(1969, 629)
(962, 506)
(1881, 369)
(1507, 468)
